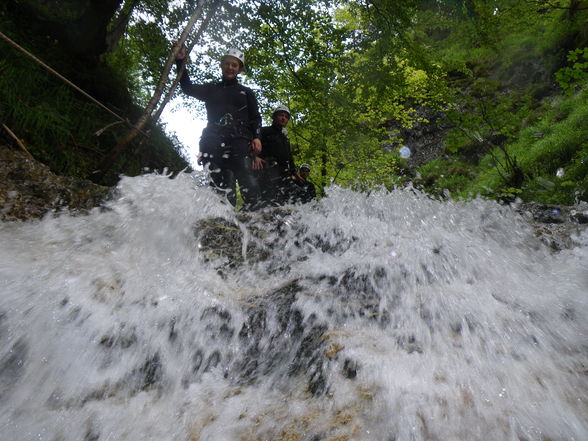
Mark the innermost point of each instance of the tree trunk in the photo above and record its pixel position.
(119, 25)
(78, 28)
(324, 164)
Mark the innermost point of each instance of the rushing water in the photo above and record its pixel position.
(384, 317)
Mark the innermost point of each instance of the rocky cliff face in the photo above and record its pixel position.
(29, 190)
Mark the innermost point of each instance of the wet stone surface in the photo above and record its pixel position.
(253, 237)
(557, 226)
(29, 190)
(275, 340)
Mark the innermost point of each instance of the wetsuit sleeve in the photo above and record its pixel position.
(198, 91)
(291, 165)
(254, 116)
(265, 145)
(311, 191)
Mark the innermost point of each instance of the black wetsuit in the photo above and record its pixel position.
(233, 121)
(275, 180)
(306, 192)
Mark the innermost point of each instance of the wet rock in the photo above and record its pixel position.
(557, 226)
(221, 242)
(218, 323)
(197, 360)
(227, 244)
(356, 295)
(274, 340)
(92, 434)
(279, 339)
(219, 238)
(213, 361)
(11, 367)
(124, 340)
(29, 190)
(333, 349)
(350, 369)
(580, 216)
(147, 376)
(424, 137)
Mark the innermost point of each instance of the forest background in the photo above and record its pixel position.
(490, 96)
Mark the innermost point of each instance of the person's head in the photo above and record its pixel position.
(232, 63)
(304, 171)
(281, 116)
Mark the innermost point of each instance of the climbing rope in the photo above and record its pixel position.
(61, 77)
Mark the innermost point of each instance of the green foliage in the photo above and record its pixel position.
(355, 73)
(344, 77)
(501, 65)
(443, 177)
(570, 76)
(557, 143)
(45, 115)
(57, 124)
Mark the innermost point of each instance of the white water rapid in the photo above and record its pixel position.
(381, 317)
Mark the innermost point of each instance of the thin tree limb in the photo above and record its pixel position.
(122, 145)
(176, 81)
(18, 141)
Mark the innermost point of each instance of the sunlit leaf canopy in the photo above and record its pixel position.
(353, 72)
(345, 69)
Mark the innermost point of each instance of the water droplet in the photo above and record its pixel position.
(544, 183)
(405, 152)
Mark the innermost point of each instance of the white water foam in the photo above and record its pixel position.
(456, 322)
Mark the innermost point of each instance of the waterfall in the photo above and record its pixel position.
(389, 316)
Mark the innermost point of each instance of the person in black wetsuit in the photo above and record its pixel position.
(275, 162)
(307, 192)
(232, 135)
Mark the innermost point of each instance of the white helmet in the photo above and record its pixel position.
(235, 53)
(281, 109)
(306, 166)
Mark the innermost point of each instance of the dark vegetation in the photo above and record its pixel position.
(491, 96)
(58, 125)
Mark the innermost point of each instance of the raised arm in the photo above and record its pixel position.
(198, 91)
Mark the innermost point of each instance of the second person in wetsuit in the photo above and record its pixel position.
(275, 162)
(232, 134)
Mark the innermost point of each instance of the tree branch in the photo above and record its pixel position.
(122, 145)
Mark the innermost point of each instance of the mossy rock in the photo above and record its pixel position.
(29, 190)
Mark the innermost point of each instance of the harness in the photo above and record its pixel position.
(229, 126)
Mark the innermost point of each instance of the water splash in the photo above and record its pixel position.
(404, 152)
(387, 316)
